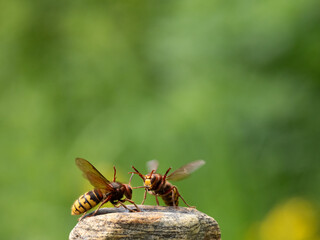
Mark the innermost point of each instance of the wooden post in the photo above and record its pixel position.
(153, 222)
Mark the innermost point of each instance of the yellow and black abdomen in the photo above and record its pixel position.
(86, 201)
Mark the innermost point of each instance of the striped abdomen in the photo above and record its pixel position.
(86, 201)
(167, 196)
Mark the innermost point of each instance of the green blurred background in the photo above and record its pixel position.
(235, 83)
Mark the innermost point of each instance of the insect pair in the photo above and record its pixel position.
(117, 193)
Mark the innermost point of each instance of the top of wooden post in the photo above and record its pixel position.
(153, 222)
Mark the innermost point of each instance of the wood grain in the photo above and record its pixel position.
(153, 222)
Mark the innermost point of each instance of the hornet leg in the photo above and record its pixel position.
(80, 218)
(144, 197)
(173, 199)
(157, 200)
(182, 198)
(156, 196)
(104, 201)
(130, 201)
(125, 206)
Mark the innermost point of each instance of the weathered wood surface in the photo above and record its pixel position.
(153, 222)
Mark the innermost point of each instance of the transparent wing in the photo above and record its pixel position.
(152, 165)
(185, 171)
(92, 174)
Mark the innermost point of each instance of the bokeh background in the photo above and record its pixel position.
(236, 83)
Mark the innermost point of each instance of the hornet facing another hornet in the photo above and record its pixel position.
(105, 191)
(157, 184)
